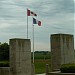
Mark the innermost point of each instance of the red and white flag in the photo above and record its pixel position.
(30, 13)
(39, 23)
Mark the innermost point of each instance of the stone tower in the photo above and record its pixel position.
(62, 50)
(20, 56)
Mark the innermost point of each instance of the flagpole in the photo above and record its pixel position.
(27, 24)
(33, 43)
(33, 39)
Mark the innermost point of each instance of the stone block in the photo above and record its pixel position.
(62, 50)
(20, 56)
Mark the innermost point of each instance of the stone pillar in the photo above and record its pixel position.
(47, 69)
(20, 56)
(62, 50)
(33, 69)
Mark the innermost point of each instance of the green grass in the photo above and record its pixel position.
(41, 59)
(40, 66)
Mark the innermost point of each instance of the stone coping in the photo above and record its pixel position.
(4, 67)
(19, 39)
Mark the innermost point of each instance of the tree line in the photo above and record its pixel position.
(4, 52)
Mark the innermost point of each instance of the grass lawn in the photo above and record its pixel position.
(40, 65)
(41, 59)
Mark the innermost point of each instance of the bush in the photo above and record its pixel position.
(4, 64)
(68, 68)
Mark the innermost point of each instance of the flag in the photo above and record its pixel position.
(30, 13)
(39, 23)
(34, 14)
(36, 22)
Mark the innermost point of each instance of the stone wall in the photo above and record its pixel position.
(5, 71)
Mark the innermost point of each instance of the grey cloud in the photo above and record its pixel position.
(56, 6)
(56, 16)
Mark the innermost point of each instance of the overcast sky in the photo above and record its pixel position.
(57, 16)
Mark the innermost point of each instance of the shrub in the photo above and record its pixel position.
(4, 64)
(68, 68)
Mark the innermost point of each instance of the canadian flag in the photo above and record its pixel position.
(30, 13)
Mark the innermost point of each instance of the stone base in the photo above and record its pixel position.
(59, 73)
(5, 71)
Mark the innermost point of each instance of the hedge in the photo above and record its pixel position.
(4, 64)
(68, 68)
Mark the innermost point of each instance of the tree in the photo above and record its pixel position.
(4, 51)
